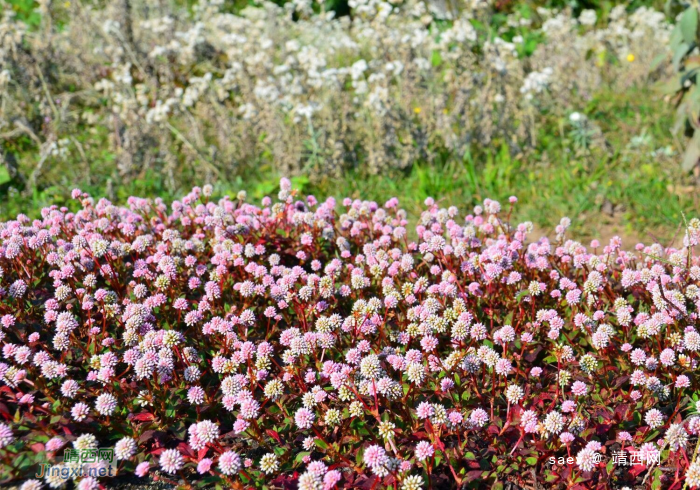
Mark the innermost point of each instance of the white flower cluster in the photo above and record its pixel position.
(269, 79)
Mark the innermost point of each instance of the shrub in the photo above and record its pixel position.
(286, 344)
(112, 92)
(681, 88)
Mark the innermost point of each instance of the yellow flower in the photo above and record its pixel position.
(67, 4)
(630, 57)
(416, 110)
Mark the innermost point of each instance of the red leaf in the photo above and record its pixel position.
(285, 481)
(37, 447)
(202, 452)
(365, 483)
(389, 481)
(474, 475)
(493, 429)
(637, 469)
(186, 449)
(146, 436)
(440, 445)
(144, 417)
(621, 411)
(274, 435)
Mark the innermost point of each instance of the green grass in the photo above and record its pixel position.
(552, 181)
(556, 181)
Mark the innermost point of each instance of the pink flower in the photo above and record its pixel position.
(171, 461)
(180, 304)
(304, 418)
(503, 367)
(479, 417)
(624, 436)
(54, 444)
(7, 321)
(594, 445)
(568, 406)
(654, 418)
(204, 466)
(566, 437)
(6, 435)
(106, 404)
(425, 410)
(331, 478)
(88, 483)
(446, 384)
(649, 452)
(229, 463)
(424, 450)
(27, 399)
(142, 469)
(375, 457)
(80, 411)
(579, 388)
(455, 417)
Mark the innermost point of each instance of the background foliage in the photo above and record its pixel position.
(629, 180)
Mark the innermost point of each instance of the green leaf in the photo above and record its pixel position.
(678, 55)
(299, 182)
(206, 481)
(689, 24)
(657, 61)
(532, 461)
(676, 38)
(692, 153)
(694, 98)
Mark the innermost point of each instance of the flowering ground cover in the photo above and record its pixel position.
(318, 345)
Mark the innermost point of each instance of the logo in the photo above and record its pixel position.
(78, 463)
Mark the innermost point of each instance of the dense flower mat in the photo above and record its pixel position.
(287, 345)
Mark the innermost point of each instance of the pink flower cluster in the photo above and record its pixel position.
(323, 345)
